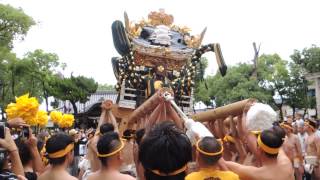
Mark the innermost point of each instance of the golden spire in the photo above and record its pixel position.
(160, 18)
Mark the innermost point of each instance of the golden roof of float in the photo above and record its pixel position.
(161, 18)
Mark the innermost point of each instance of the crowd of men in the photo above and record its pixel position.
(289, 150)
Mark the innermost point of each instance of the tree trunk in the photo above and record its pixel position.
(45, 94)
(305, 112)
(2, 98)
(13, 85)
(281, 112)
(293, 112)
(280, 107)
(255, 61)
(47, 103)
(74, 106)
(32, 84)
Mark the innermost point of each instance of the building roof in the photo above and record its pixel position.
(92, 102)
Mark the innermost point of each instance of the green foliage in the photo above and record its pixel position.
(297, 96)
(105, 87)
(74, 89)
(28, 75)
(36, 73)
(6, 75)
(201, 93)
(201, 88)
(201, 68)
(235, 86)
(308, 58)
(42, 66)
(44, 62)
(273, 74)
(14, 24)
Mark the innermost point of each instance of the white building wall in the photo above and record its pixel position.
(315, 78)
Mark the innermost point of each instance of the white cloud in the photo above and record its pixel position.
(79, 31)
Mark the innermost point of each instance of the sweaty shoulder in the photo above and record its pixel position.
(72, 178)
(68, 177)
(43, 176)
(127, 177)
(92, 176)
(282, 157)
(40, 178)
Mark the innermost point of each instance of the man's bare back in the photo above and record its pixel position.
(281, 170)
(104, 175)
(56, 175)
(291, 146)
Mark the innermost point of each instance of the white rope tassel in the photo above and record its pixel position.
(194, 129)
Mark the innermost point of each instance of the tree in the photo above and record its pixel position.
(5, 59)
(14, 24)
(313, 104)
(297, 96)
(201, 69)
(105, 87)
(74, 89)
(42, 67)
(274, 76)
(201, 88)
(16, 80)
(308, 58)
(236, 85)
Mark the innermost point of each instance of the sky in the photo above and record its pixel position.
(79, 31)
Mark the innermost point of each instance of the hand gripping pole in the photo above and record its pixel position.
(195, 130)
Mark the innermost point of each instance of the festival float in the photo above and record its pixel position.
(156, 55)
(156, 75)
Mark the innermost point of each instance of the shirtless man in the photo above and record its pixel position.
(292, 148)
(164, 152)
(302, 135)
(275, 164)
(127, 152)
(297, 122)
(109, 148)
(312, 157)
(289, 119)
(233, 148)
(60, 154)
(209, 152)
